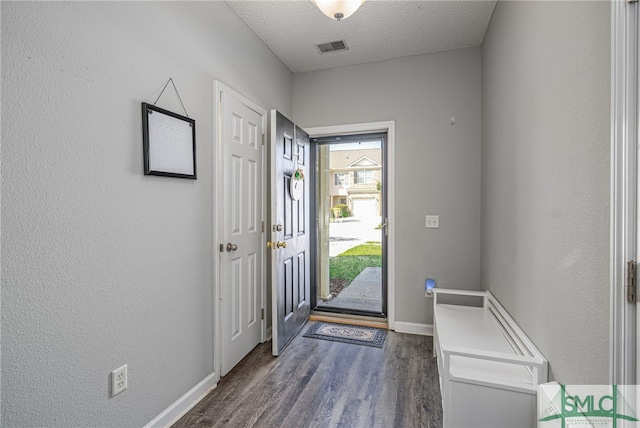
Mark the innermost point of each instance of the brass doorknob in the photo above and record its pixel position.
(278, 244)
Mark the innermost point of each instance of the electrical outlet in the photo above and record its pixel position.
(118, 380)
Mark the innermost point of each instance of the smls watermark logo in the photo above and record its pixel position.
(568, 406)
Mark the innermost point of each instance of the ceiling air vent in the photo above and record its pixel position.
(340, 45)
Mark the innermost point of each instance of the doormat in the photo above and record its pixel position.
(346, 333)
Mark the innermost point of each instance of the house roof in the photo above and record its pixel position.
(344, 159)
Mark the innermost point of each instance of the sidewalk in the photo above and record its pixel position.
(364, 293)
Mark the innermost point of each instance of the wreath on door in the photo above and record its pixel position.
(296, 187)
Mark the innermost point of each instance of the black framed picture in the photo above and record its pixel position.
(169, 142)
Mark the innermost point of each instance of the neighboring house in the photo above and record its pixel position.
(356, 179)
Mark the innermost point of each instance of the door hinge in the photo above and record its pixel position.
(632, 268)
(222, 248)
(264, 137)
(262, 229)
(262, 313)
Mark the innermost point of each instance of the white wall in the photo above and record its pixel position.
(437, 168)
(545, 178)
(102, 266)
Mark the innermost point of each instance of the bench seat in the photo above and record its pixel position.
(485, 362)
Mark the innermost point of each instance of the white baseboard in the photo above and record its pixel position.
(414, 328)
(178, 409)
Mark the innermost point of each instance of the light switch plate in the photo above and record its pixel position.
(432, 221)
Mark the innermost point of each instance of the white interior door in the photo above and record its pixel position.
(241, 251)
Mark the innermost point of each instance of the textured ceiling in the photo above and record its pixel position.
(379, 30)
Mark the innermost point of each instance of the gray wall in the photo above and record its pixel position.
(102, 266)
(437, 167)
(545, 178)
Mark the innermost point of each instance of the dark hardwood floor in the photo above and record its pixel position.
(318, 383)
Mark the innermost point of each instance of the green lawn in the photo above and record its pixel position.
(348, 265)
(369, 248)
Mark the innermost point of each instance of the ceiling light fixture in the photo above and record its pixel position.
(338, 9)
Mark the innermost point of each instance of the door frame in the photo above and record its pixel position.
(218, 218)
(624, 189)
(337, 140)
(363, 128)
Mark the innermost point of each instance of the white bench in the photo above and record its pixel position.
(489, 369)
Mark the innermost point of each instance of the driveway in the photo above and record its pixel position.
(352, 231)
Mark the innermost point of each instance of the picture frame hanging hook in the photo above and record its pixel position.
(177, 93)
